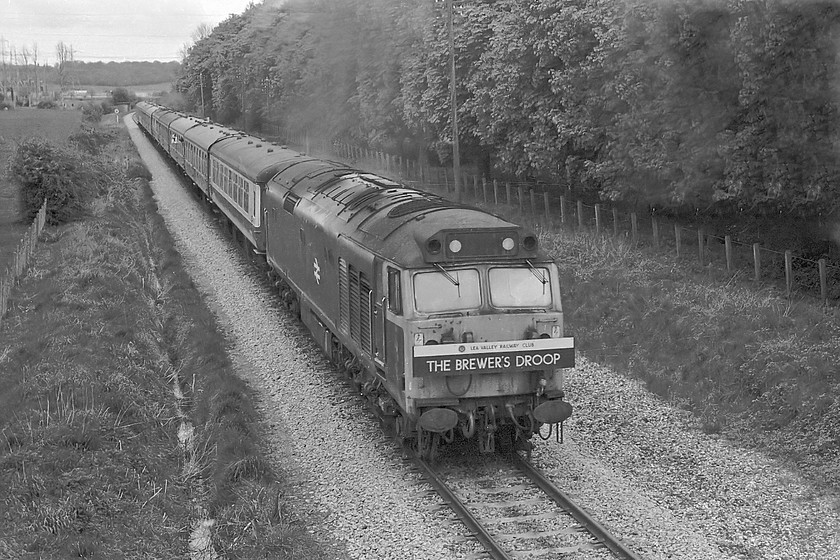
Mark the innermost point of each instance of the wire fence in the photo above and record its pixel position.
(794, 274)
(20, 258)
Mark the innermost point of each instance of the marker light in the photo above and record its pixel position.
(418, 339)
(433, 246)
(555, 331)
(507, 243)
(529, 243)
(455, 246)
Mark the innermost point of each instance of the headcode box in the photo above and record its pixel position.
(485, 357)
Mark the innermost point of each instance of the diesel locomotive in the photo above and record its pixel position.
(448, 318)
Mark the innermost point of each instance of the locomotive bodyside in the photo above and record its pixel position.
(370, 261)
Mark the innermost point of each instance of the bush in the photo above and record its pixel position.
(122, 96)
(92, 112)
(138, 170)
(91, 140)
(62, 176)
(48, 104)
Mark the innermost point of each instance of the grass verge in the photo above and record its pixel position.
(749, 363)
(108, 354)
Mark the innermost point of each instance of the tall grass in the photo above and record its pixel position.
(747, 362)
(103, 333)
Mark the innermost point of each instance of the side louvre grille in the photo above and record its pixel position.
(343, 297)
(355, 312)
(364, 314)
(355, 305)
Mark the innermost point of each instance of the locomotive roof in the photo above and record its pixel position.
(256, 159)
(389, 219)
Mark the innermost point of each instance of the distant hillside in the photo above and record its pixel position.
(119, 74)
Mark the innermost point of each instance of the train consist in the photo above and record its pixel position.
(448, 318)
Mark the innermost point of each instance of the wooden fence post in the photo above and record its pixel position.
(789, 272)
(507, 192)
(597, 219)
(615, 221)
(484, 189)
(634, 225)
(655, 228)
(533, 204)
(521, 202)
(495, 192)
(678, 238)
(580, 214)
(757, 260)
(700, 248)
(545, 206)
(2, 297)
(563, 210)
(475, 187)
(823, 282)
(727, 241)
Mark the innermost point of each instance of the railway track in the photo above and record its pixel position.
(514, 512)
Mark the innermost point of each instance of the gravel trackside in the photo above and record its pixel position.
(639, 466)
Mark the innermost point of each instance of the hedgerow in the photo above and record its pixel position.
(66, 178)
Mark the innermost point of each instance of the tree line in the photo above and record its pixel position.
(703, 105)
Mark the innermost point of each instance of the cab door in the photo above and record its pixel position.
(389, 318)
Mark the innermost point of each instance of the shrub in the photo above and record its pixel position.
(138, 170)
(47, 104)
(91, 140)
(92, 112)
(62, 176)
(121, 95)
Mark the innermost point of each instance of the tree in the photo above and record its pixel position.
(121, 95)
(64, 56)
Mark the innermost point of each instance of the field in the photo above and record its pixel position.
(16, 125)
(143, 90)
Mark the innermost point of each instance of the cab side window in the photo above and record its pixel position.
(394, 291)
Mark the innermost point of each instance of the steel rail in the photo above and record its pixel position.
(613, 543)
(462, 512)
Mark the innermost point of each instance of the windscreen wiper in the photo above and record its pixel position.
(447, 274)
(537, 274)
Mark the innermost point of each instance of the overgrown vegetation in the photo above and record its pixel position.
(108, 355)
(66, 178)
(746, 361)
(713, 106)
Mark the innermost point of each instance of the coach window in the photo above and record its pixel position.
(394, 291)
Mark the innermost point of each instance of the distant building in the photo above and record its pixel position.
(74, 99)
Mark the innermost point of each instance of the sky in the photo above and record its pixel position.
(109, 31)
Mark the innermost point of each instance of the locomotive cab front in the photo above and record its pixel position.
(485, 327)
